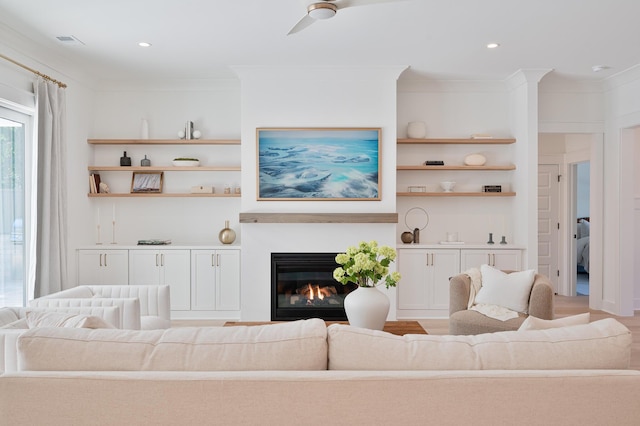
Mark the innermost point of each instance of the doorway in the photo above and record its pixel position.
(582, 189)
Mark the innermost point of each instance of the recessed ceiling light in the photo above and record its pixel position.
(144, 44)
(492, 45)
(598, 68)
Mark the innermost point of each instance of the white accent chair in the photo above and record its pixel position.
(13, 324)
(145, 307)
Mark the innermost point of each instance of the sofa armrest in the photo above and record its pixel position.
(459, 288)
(79, 291)
(154, 299)
(541, 300)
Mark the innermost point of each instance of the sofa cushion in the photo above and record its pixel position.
(604, 344)
(63, 319)
(20, 324)
(8, 315)
(533, 323)
(297, 345)
(510, 291)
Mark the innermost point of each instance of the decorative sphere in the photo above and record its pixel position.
(181, 134)
(406, 237)
(197, 134)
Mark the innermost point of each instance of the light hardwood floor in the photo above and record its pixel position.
(565, 306)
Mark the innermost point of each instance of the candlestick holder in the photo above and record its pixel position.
(113, 232)
(98, 242)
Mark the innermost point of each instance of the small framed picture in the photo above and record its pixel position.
(147, 182)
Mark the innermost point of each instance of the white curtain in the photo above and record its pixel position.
(51, 239)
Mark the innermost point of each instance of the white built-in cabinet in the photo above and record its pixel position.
(204, 280)
(162, 267)
(100, 267)
(423, 291)
(216, 281)
(422, 271)
(509, 260)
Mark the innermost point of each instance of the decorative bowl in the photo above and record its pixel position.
(475, 160)
(447, 186)
(186, 163)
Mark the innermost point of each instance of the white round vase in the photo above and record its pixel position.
(367, 307)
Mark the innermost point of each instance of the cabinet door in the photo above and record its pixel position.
(144, 267)
(103, 267)
(500, 259)
(443, 265)
(175, 270)
(412, 288)
(228, 280)
(203, 288)
(508, 260)
(216, 280)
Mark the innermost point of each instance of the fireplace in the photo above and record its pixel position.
(302, 286)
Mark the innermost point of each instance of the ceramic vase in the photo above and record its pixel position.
(416, 130)
(367, 307)
(227, 235)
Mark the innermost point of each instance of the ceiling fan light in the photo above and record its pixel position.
(322, 10)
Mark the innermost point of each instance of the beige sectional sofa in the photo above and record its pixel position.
(304, 373)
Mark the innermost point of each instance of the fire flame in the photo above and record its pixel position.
(317, 293)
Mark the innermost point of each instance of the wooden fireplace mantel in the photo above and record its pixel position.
(318, 217)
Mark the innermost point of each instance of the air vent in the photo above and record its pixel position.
(69, 40)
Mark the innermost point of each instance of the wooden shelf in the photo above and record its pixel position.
(163, 141)
(318, 218)
(455, 194)
(460, 167)
(164, 169)
(161, 194)
(467, 141)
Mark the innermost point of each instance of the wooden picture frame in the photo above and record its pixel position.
(147, 182)
(318, 164)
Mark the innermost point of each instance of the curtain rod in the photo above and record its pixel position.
(38, 73)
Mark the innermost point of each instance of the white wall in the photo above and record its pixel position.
(214, 107)
(311, 98)
(456, 109)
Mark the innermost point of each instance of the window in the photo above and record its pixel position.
(15, 131)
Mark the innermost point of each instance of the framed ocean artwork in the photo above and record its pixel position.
(318, 164)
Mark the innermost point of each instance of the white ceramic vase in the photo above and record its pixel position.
(367, 307)
(416, 130)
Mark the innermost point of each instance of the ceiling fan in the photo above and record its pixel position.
(325, 9)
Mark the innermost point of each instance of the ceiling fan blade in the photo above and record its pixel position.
(352, 3)
(302, 24)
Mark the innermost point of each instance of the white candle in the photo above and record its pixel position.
(98, 217)
(114, 212)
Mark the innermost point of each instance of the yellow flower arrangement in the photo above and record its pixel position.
(366, 265)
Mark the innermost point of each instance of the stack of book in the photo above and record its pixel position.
(94, 183)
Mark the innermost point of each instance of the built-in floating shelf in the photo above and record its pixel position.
(164, 141)
(163, 169)
(460, 167)
(318, 217)
(160, 194)
(456, 194)
(467, 141)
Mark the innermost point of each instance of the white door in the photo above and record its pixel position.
(444, 264)
(548, 222)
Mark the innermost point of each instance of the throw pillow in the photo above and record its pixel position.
(533, 323)
(60, 319)
(19, 324)
(510, 291)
